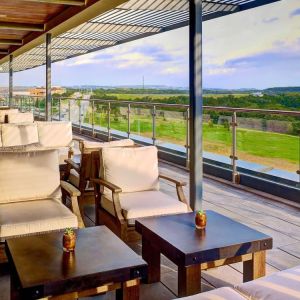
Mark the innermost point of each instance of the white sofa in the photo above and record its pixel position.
(48, 135)
(284, 285)
(31, 194)
(19, 117)
(4, 113)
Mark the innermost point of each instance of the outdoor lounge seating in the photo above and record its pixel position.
(79, 175)
(128, 188)
(31, 195)
(278, 286)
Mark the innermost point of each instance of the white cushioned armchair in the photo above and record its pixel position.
(128, 188)
(31, 195)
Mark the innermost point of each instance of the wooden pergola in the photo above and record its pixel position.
(39, 32)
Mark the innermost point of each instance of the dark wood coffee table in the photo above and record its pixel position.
(224, 241)
(101, 262)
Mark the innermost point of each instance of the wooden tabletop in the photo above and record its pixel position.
(223, 237)
(100, 257)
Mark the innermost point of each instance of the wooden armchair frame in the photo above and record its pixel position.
(118, 224)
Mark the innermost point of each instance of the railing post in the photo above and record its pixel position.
(93, 118)
(80, 115)
(233, 156)
(69, 110)
(128, 120)
(187, 146)
(108, 122)
(154, 125)
(59, 109)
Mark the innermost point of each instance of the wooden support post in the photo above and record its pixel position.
(189, 280)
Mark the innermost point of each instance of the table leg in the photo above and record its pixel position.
(189, 280)
(130, 290)
(14, 287)
(152, 256)
(256, 267)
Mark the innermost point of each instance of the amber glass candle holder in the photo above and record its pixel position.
(200, 219)
(69, 240)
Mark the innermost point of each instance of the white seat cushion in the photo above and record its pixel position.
(224, 293)
(20, 117)
(28, 176)
(88, 146)
(284, 285)
(14, 135)
(24, 218)
(55, 134)
(132, 169)
(74, 178)
(144, 204)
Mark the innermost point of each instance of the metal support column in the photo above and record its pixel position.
(48, 78)
(196, 103)
(10, 88)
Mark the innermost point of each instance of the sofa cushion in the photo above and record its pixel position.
(74, 178)
(6, 112)
(29, 175)
(88, 146)
(24, 218)
(21, 117)
(132, 169)
(278, 286)
(55, 134)
(14, 135)
(144, 204)
(224, 293)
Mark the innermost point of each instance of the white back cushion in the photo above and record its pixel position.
(55, 134)
(29, 176)
(132, 169)
(19, 134)
(21, 117)
(87, 146)
(4, 112)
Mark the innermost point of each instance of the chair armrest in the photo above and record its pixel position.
(109, 185)
(69, 189)
(77, 139)
(72, 164)
(177, 182)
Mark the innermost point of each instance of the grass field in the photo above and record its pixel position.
(267, 148)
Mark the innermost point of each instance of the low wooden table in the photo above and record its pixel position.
(224, 241)
(101, 262)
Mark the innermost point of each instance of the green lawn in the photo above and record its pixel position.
(278, 150)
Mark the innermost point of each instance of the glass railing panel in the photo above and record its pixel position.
(217, 135)
(269, 144)
(73, 109)
(101, 116)
(171, 127)
(141, 122)
(119, 119)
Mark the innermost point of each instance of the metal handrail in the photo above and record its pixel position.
(154, 106)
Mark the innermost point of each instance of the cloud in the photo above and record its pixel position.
(173, 70)
(270, 20)
(295, 13)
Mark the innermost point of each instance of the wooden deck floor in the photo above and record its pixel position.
(278, 220)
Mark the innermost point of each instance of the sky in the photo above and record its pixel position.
(258, 48)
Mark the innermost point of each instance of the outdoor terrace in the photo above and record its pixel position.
(279, 220)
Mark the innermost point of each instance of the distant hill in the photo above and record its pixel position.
(282, 90)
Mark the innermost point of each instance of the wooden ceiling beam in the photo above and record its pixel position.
(62, 2)
(11, 42)
(22, 26)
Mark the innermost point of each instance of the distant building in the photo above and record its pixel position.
(41, 91)
(257, 94)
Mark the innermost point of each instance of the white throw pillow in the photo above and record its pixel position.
(14, 135)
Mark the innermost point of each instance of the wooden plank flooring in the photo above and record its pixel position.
(278, 220)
